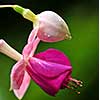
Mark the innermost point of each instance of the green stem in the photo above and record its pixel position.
(26, 13)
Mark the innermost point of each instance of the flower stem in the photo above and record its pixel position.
(26, 13)
(9, 51)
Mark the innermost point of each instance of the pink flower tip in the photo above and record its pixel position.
(52, 27)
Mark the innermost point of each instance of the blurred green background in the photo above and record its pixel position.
(82, 19)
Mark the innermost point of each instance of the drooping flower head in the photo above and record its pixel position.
(50, 26)
(50, 69)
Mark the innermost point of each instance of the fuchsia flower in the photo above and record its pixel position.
(50, 69)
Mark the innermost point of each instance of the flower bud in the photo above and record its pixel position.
(52, 27)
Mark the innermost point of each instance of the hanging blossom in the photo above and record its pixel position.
(50, 69)
(50, 26)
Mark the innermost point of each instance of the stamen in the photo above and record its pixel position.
(73, 84)
(78, 82)
(72, 88)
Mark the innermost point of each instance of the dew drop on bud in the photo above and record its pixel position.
(52, 28)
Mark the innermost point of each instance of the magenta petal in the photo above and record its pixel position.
(20, 92)
(17, 74)
(53, 55)
(49, 70)
(49, 85)
(47, 75)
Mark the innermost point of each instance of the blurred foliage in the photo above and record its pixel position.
(82, 18)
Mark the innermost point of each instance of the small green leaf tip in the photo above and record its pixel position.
(10, 89)
(26, 13)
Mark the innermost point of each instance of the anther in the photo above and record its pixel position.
(72, 88)
(81, 85)
(78, 92)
